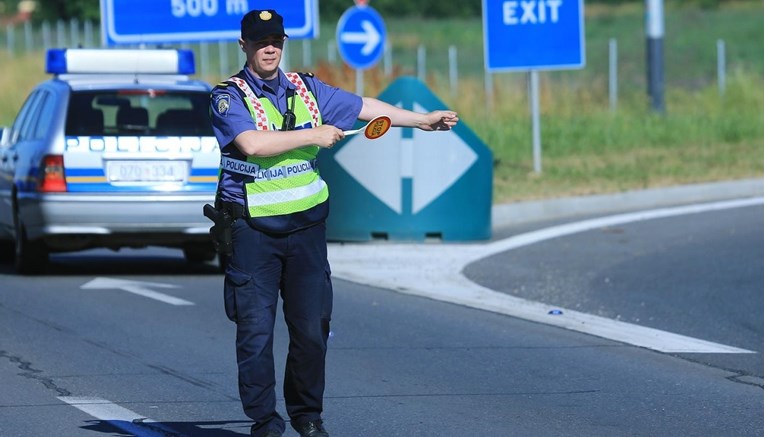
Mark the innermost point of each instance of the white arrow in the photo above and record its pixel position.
(370, 37)
(433, 160)
(439, 159)
(376, 165)
(136, 287)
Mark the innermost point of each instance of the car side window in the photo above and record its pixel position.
(44, 120)
(21, 117)
(24, 126)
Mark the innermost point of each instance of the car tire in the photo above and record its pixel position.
(199, 253)
(31, 256)
(7, 251)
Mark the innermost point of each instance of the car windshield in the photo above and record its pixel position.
(138, 112)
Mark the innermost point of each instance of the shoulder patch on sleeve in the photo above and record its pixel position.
(222, 103)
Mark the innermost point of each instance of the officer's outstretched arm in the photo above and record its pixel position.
(271, 143)
(435, 120)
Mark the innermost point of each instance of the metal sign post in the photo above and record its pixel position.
(530, 36)
(655, 52)
(536, 134)
(361, 38)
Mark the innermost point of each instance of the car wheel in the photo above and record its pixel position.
(7, 251)
(31, 256)
(199, 253)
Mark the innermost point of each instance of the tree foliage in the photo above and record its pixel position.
(52, 10)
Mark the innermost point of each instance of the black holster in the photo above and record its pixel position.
(221, 230)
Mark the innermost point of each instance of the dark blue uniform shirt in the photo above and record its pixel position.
(338, 107)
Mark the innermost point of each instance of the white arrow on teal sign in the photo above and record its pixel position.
(433, 161)
(410, 184)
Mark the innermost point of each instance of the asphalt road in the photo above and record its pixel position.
(137, 343)
(699, 275)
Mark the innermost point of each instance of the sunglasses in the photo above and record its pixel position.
(270, 41)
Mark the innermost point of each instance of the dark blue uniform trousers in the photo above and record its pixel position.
(263, 264)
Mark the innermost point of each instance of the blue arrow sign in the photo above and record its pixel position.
(361, 37)
(169, 21)
(533, 34)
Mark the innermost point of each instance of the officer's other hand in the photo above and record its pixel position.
(327, 135)
(439, 120)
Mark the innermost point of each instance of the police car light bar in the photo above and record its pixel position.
(131, 61)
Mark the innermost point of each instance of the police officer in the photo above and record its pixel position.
(271, 126)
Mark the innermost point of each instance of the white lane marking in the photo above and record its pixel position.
(117, 416)
(602, 222)
(435, 272)
(136, 287)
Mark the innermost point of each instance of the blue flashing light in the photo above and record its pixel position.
(186, 62)
(131, 61)
(55, 61)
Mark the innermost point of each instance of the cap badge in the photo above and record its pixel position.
(265, 15)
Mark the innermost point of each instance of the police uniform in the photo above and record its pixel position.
(279, 237)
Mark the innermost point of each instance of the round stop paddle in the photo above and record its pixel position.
(376, 127)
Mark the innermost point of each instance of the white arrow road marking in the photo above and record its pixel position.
(370, 37)
(136, 287)
(119, 417)
(435, 272)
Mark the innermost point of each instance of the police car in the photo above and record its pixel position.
(115, 150)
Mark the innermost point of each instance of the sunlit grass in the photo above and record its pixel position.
(588, 149)
(20, 74)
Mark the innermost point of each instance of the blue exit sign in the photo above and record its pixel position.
(533, 34)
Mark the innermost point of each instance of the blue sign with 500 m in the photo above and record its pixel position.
(165, 21)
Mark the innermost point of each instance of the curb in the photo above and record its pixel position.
(524, 212)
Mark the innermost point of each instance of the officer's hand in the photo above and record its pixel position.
(439, 120)
(327, 135)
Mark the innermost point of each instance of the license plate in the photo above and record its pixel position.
(147, 171)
